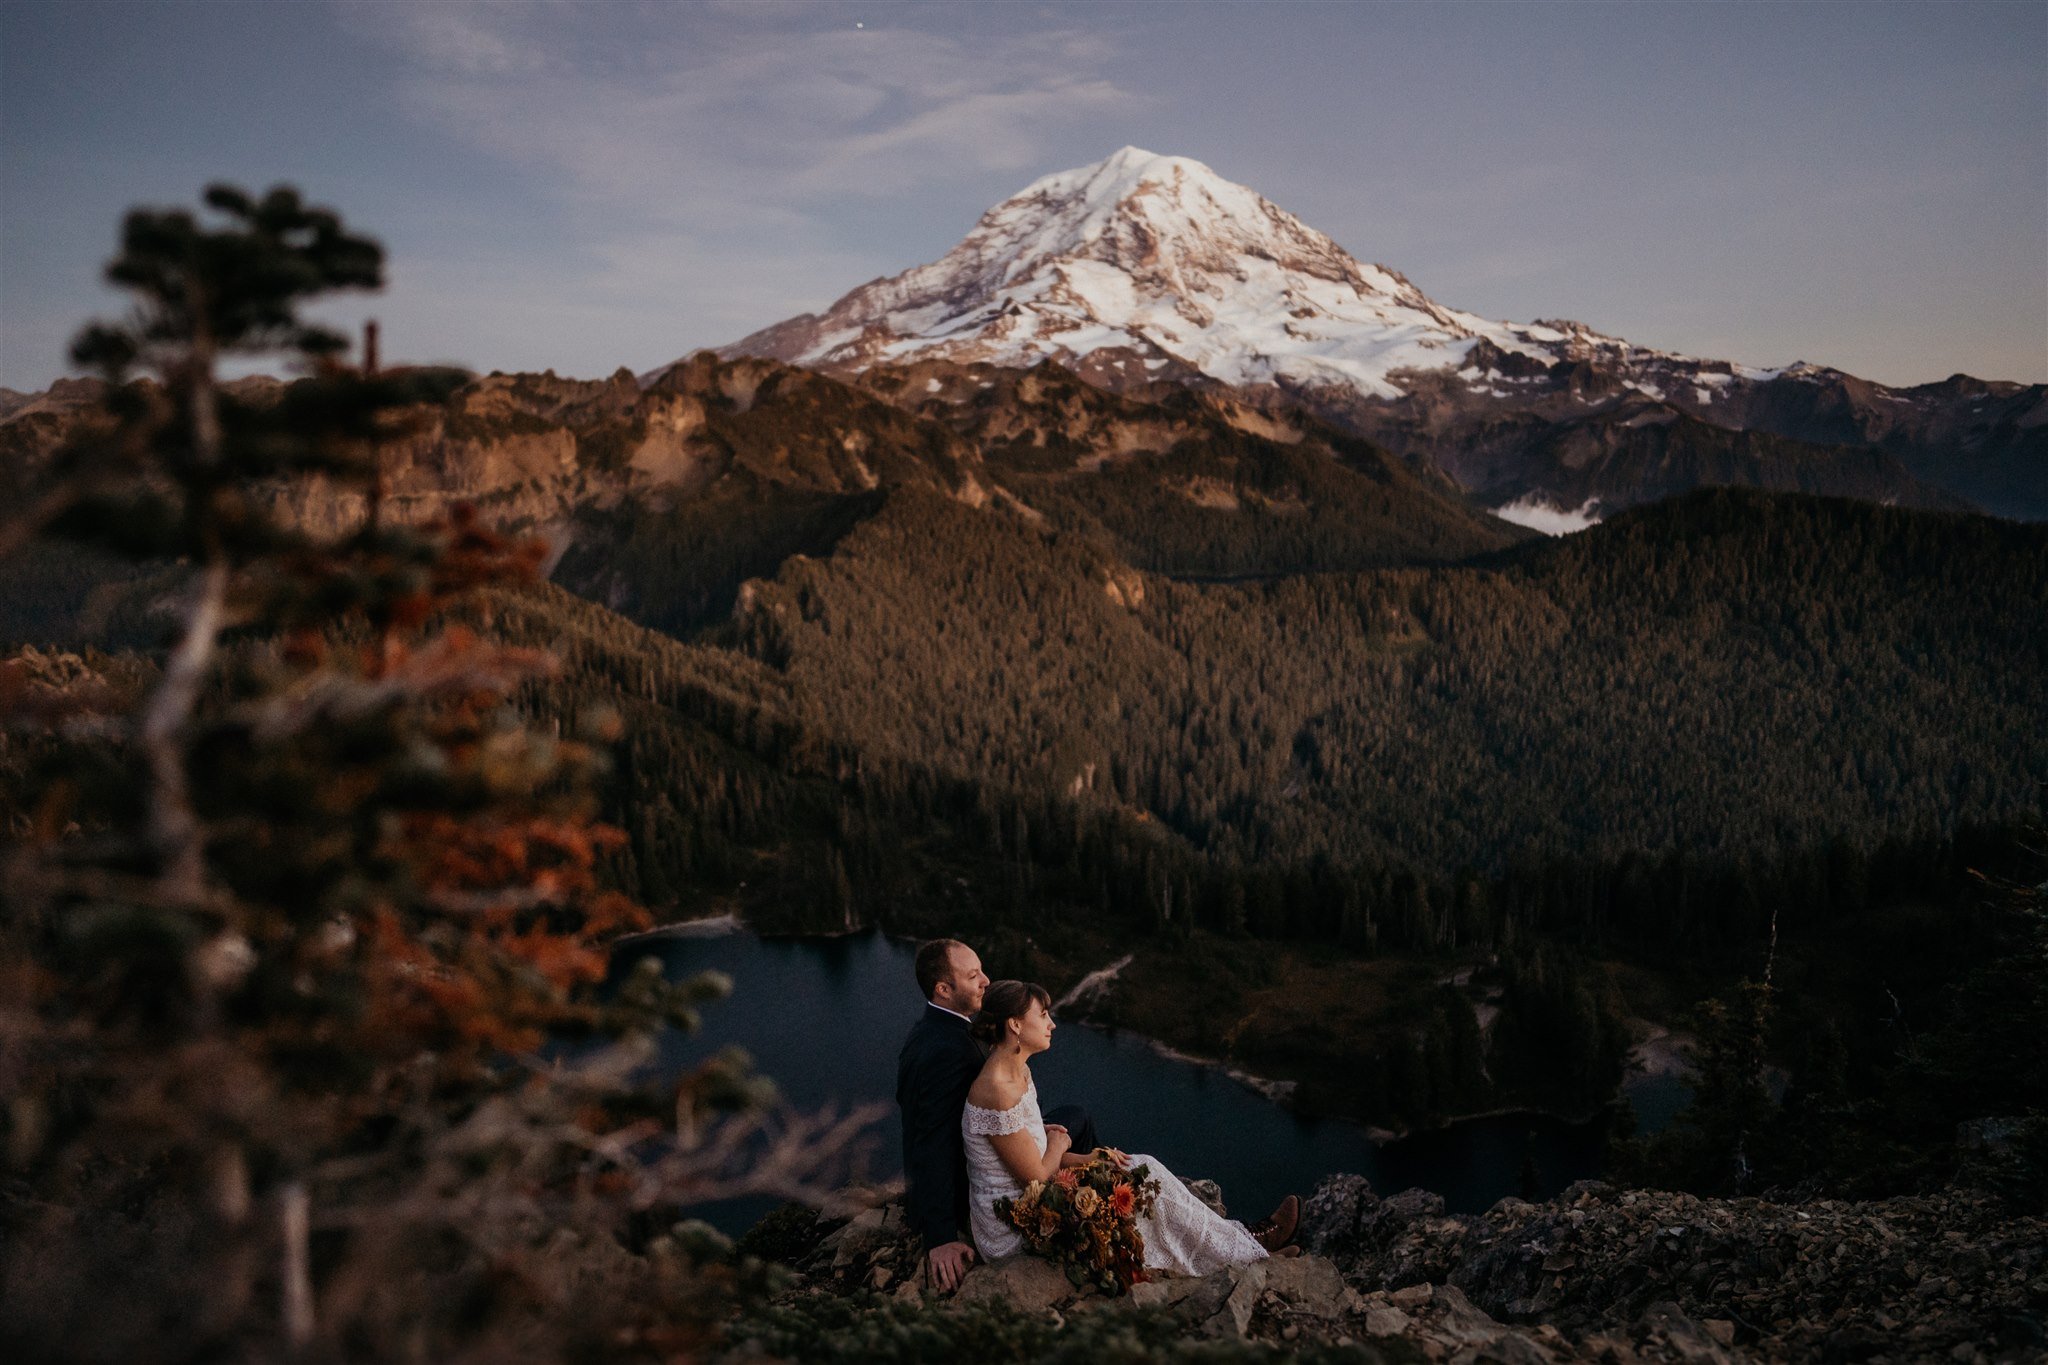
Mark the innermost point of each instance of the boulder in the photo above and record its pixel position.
(1248, 1282)
(1335, 1216)
(1028, 1282)
(862, 1232)
(1197, 1298)
(1385, 1320)
(1346, 1221)
(1309, 1284)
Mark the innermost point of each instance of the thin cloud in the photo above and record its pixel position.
(706, 159)
(681, 118)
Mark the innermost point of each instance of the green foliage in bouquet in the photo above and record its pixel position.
(1085, 1219)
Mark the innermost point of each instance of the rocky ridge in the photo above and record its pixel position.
(1599, 1274)
(718, 471)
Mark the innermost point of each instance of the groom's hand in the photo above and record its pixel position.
(949, 1263)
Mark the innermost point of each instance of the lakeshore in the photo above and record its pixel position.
(1651, 1075)
(1207, 1118)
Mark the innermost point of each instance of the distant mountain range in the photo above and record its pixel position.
(1146, 271)
(932, 605)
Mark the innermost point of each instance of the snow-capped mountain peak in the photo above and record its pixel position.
(1156, 259)
(1139, 211)
(1145, 269)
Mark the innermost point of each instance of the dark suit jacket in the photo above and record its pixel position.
(934, 1071)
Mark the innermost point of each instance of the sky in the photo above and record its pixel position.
(581, 185)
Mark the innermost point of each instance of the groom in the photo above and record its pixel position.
(936, 1068)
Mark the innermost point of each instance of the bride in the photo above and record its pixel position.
(1009, 1144)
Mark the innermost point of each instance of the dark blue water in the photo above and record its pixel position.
(825, 1018)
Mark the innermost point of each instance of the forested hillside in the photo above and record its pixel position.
(957, 649)
(1729, 675)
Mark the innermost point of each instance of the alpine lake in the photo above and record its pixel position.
(825, 1017)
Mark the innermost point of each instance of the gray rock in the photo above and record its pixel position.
(1460, 1320)
(1385, 1320)
(1236, 1316)
(1162, 1292)
(1029, 1282)
(1335, 1216)
(1205, 1296)
(853, 1241)
(1684, 1337)
(1197, 1298)
(1210, 1193)
(1310, 1283)
(1409, 1206)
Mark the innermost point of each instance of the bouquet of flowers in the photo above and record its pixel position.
(1085, 1220)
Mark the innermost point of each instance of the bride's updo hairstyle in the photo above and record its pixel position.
(1002, 1002)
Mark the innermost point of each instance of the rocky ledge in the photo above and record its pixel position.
(1599, 1274)
(1955, 1276)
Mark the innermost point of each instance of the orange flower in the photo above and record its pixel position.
(1122, 1201)
(1068, 1178)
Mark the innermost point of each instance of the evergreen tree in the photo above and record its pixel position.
(295, 911)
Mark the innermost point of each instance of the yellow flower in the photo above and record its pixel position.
(1086, 1201)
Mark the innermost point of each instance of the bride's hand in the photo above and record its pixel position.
(1116, 1156)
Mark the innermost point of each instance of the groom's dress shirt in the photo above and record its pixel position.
(934, 1071)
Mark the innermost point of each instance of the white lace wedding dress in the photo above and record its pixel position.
(1181, 1232)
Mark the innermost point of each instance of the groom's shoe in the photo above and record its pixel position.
(1277, 1229)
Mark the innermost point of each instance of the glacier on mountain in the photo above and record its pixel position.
(1144, 272)
(1161, 258)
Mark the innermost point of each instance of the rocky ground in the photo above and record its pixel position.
(1958, 1275)
(1599, 1274)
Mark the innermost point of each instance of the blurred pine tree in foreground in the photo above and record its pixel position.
(288, 917)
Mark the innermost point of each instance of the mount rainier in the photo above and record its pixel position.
(1145, 270)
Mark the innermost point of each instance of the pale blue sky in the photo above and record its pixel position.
(588, 185)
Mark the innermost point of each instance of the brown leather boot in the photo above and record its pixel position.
(1276, 1230)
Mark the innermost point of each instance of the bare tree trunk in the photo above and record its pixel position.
(296, 1217)
(173, 825)
(174, 829)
